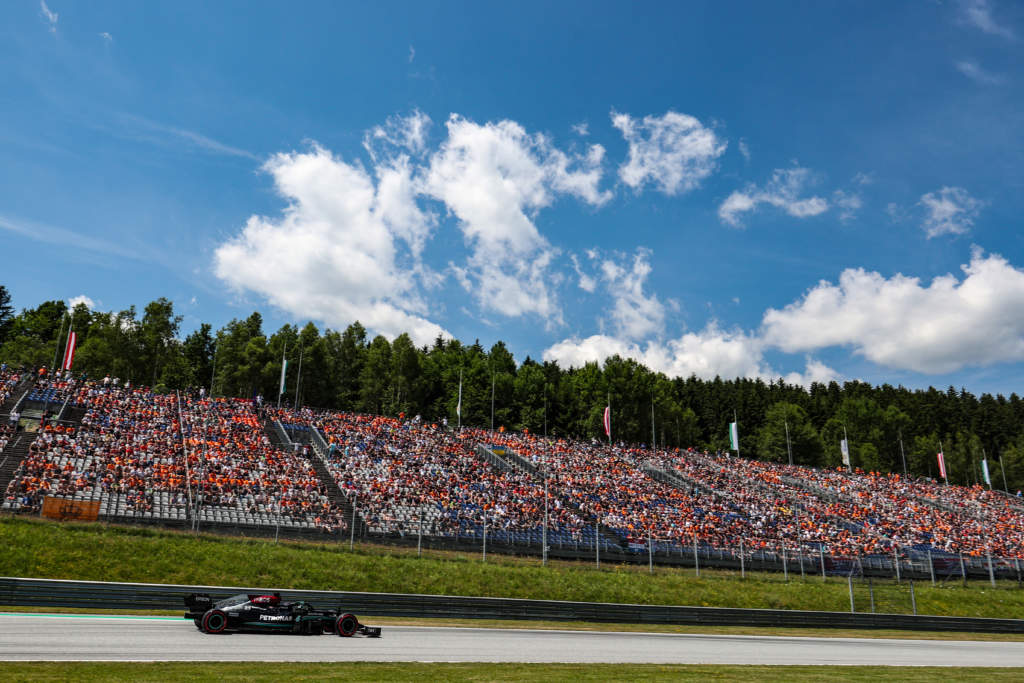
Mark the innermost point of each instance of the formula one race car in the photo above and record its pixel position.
(270, 614)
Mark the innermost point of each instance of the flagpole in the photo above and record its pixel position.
(545, 410)
(609, 418)
(736, 420)
(849, 464)
(903, 455)
(492, 399)
(298, 381)
(458, 407)
(56, 346)
(284, 366)
(654, 438)
(945, 474)
(789, 448)
(1006, 489)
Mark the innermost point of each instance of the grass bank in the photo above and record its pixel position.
(45, 549)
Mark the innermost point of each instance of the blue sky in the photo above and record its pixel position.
(805, 190)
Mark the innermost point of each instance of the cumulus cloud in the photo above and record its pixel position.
(949, 211)
(978, 13)
(900, 323)
(712, 352)
(582, 129)
(673, 152)
(494, 178)
(81, 299)
(744, 149)
(635, 314)
(50, 17)
(782, 191)
(107, 38)
(976, 73)
(334, 254)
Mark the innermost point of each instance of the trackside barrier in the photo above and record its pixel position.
(94, 594)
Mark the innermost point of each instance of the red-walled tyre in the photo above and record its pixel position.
(346, 625)
(215, 621)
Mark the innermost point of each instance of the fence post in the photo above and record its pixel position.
(849, 582)
(991, 571)
(896, 563)
(696, 560)
(419, 537)
(352, 531)
(821, 554)
(277, 530)
(650, 552)
(743, 566)
(485, 536)
(963, 569)
(931, 566)
(871, 593)
(801, 556)
(597, 541)
(913, 600)
(785, 567)
(1016, 563)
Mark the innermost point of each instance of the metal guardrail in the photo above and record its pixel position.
(93, 594)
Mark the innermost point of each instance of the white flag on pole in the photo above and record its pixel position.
(734, 436)
(844, 447)
(984, 470)
(284, 370)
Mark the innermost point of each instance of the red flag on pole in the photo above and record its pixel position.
(608, 421)
(942, 466)
(69, 352)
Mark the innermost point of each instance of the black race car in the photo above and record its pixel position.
(269, 613)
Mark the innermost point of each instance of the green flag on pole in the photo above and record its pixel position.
(734, 436)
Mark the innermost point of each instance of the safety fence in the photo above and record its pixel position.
(806, 561)
(140, 596)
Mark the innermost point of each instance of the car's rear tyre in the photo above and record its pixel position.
(346, 625)
(199, 623)
(214, 621)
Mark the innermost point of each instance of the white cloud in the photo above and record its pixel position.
(586, 282)
(712, 352)
(582, 129)
(674, 152)
(848, 204)
(978, 13)
(412, 53)
(634, 314)
(744, 149)
(50, 17)
(976, 73)
(399, 132)
(81, 299)
(107, 38)
(782, 191)
(950, 211)
(144, 129)
(897, 322)
(494, 178)
(332, 254)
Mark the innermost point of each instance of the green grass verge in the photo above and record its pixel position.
(367, 671)
(45, 549)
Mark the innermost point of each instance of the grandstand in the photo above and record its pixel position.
(236, 465)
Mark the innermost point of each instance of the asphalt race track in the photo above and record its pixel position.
(66, 637)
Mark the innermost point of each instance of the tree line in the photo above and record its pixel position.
(889, 429)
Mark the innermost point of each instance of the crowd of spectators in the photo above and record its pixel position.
(153, 454)
(238, 469)
(400, 470)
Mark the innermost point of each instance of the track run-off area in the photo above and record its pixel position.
(29, 637)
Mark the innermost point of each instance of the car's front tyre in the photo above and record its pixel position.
(346, 625)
